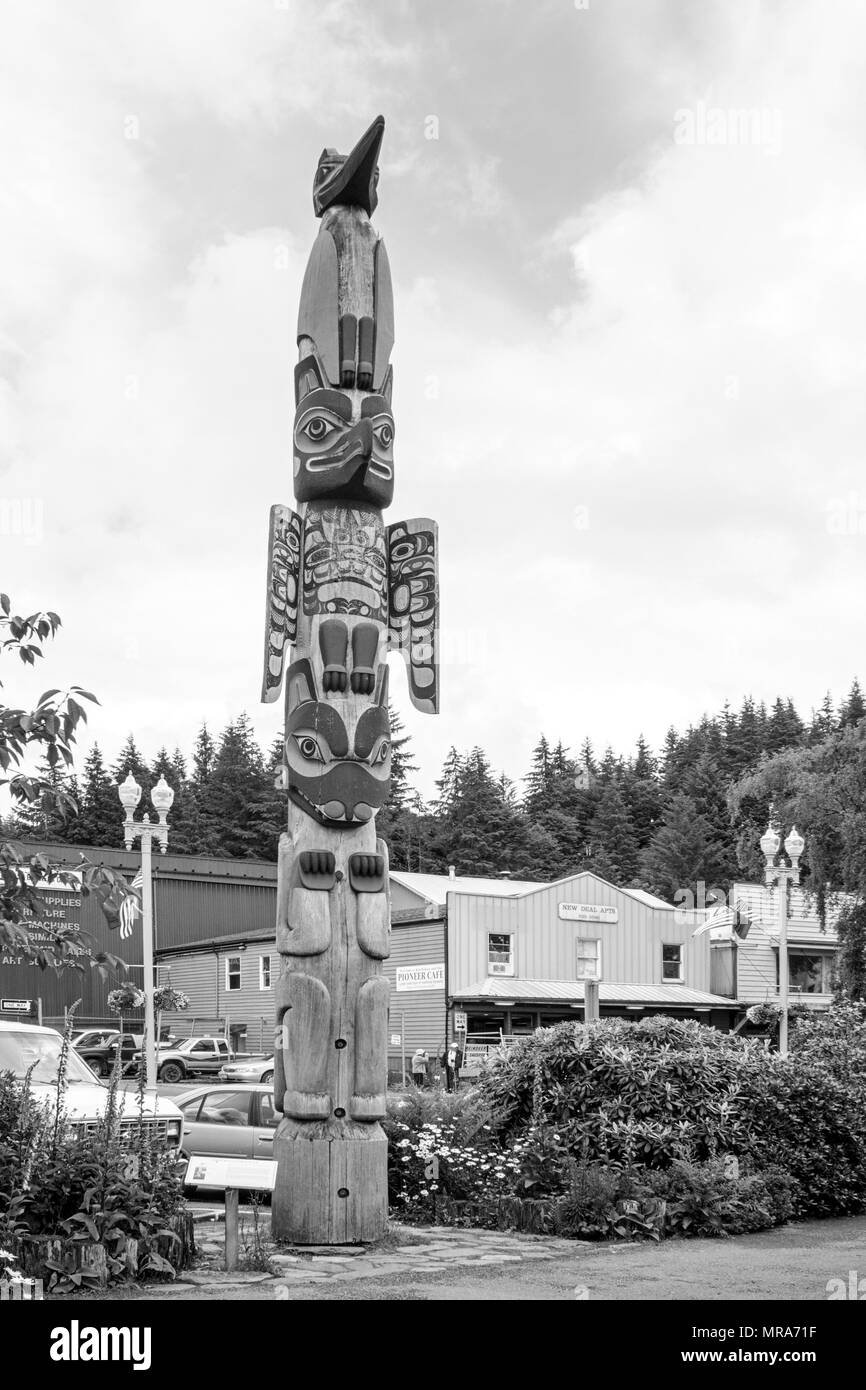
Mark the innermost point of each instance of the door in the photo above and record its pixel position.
(265, 1121)
(221, 1127)
(203, 1056)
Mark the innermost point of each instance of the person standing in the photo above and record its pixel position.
(453, 1059)
(419, 1066)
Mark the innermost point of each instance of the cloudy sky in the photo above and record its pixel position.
(627, 242)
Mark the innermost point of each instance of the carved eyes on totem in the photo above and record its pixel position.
(314, 749)
(318, 428)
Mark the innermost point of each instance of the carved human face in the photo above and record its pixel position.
(343, 443)
(339, 768)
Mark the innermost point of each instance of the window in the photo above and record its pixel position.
(264, 972)
(810, 972)
(500, 955)
(233, 972)
(223, 1048)
(267, 1114)
(588, 960)
(672, 962)
(225, 1108)
(202, 1047)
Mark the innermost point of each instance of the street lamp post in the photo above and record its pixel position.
(781, 875)
(162, 797)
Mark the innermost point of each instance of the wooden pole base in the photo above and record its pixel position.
(332, 1184)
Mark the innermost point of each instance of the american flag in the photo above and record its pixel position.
(130, 909)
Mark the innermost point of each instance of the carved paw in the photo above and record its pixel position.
(367, 872)
(335, 679)
(363, 681)
(316, 869)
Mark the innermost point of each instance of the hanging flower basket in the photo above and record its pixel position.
(170, 1000)
(765, 1015)
(125, 999)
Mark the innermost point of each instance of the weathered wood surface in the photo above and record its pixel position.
(343, 589)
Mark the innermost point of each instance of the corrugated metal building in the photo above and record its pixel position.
(505, 956)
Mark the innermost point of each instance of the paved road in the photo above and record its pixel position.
(794, 1263)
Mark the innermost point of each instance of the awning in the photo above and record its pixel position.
(494, 989)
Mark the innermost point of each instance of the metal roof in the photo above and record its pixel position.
(609, 992)
(436, 887)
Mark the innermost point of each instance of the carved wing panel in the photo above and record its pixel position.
(413, 606)
(281, 618)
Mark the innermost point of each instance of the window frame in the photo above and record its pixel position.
(262, 958)
(233, 989)
(679, 979)
(509, 963)
(827, 958)
(223, 1093)
(587, 941)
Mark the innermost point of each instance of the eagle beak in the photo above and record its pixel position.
(354, 185)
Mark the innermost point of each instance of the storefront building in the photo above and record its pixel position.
(488, 960)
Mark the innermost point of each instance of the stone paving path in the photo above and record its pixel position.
(431, 1251)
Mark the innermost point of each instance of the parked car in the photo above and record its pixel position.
(100, 1056)
(250, 1070)
(228, 1122)
(192, 1057)
(26, 1048)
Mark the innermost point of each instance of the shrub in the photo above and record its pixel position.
(90, 1187)
(657, 1093)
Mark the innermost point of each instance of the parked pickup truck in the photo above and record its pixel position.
(192, 1057)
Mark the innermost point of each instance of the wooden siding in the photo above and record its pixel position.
(203, 977)
(544, 945)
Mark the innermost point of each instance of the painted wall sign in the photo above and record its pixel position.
(420, 977)
(588, 912)
(251, 1173)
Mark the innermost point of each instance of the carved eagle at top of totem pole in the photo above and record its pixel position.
(343, 588)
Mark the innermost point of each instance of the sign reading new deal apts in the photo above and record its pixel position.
(420, 977)
(588, 912)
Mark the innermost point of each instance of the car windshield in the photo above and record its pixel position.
(41, 1051)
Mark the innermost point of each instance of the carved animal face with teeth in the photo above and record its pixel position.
(339, 764)
(343, 442)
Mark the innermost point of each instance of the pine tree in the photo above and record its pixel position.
(235, 793)
(40, 820)
(854, 708)
(824, 721)
(640, 787)
(612, 838)
(203, 758)
(676, 857)
(100, 817)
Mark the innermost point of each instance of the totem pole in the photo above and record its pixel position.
(343, 591)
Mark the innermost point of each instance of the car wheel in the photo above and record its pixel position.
(171, 1072)
(268, 1076)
